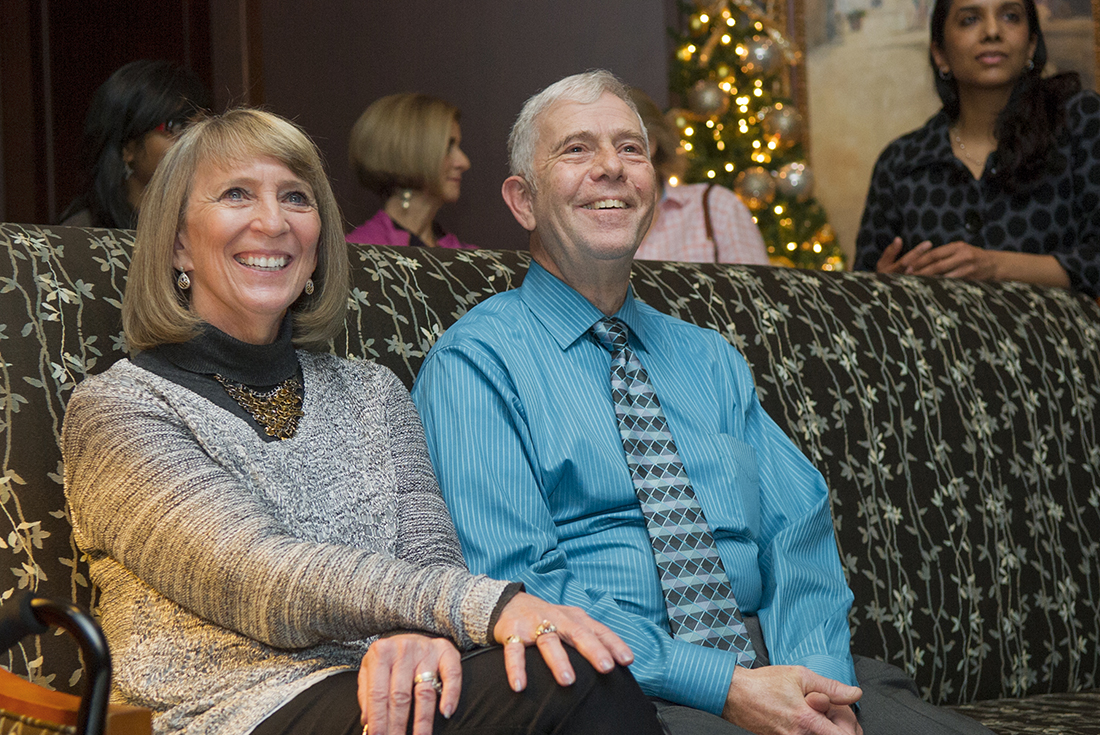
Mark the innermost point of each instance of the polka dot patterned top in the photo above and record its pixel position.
(920, 191)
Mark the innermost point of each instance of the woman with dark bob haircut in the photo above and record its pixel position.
(260, 516)
(1003, 183)
(135, 116)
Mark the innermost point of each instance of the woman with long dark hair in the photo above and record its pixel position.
(134, 118)
(1001, 184)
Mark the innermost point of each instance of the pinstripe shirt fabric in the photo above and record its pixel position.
(516, 403)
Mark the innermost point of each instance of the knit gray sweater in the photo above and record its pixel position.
(235, 573)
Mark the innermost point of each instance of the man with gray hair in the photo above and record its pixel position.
(617, 459)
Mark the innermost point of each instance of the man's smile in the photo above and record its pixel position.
(607, 204)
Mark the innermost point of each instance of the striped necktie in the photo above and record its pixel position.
(698, 597)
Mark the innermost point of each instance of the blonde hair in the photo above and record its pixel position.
(154, 310)
(400, 141)
(584, 88)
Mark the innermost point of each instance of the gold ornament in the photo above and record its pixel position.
(781, 124)
(826, 235)
(755, 186)
(680, 117)
(759, 56)
(706, 99)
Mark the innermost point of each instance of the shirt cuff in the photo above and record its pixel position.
(698, 677)
(830, 668)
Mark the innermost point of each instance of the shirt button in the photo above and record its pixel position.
(972, 221)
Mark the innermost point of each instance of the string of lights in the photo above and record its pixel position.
(739, 127)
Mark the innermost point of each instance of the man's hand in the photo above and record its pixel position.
(791, 700)
(387, 690)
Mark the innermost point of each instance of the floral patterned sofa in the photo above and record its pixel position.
(956, 424)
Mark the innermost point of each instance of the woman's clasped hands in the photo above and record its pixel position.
(953, 260)
(406, 673)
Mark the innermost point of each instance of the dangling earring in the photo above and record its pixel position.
(309, 287)
(1030, 64)
(127, 171)
(406, 198)
(184, 282)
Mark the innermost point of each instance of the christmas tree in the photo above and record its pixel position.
(739, 127)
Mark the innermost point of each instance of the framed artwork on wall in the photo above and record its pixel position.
(866, 79)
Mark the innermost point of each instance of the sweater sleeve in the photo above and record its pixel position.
(427, 532)
(143, 492)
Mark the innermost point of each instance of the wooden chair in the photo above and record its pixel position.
(30, 709)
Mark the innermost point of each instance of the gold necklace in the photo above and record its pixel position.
(277, 409)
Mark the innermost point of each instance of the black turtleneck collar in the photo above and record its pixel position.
(215, 352)
(193, 364)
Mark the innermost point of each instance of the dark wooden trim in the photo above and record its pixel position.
(252, 56)
(22, 150)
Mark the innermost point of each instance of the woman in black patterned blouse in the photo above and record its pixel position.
(1003, 183)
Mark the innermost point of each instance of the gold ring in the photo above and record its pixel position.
(513, 639)
(545, 627)
(424, 677)
(428, 677)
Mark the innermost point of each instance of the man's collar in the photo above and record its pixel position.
(564, 313)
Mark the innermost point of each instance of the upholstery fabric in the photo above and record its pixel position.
(60, 295)
(955, 423)
(1049, 714)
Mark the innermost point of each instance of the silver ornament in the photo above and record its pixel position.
(707, 99)
(783, 126)
(755, 186)
(795, 180)
(760, 56)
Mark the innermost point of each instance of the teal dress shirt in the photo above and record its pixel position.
(516, 403)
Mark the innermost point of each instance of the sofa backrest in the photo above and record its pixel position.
(956, 425)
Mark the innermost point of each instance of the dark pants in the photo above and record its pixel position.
(890, 704)
(595, 703)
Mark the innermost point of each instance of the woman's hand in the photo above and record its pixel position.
(954, 260)
(387, 689)
(889, 262)
(526, 620)
(962, 260)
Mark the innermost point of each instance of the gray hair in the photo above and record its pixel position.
(584, 88)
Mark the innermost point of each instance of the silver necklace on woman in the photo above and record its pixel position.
(962, 146)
